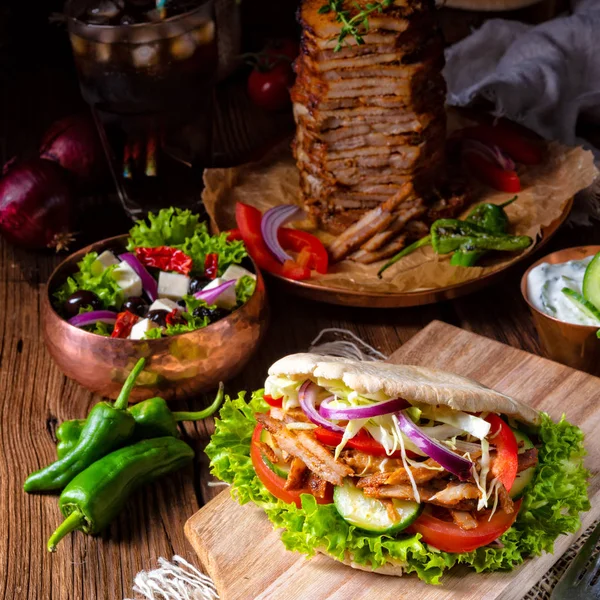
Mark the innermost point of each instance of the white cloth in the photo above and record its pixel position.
(542, 76)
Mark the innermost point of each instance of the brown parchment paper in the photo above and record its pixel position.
(547, 190)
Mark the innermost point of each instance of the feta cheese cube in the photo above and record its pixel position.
(128, 280)
(236, 272)
(138, 331)
(107, 259)
(173, 285)
(227, 299)
(164, 304)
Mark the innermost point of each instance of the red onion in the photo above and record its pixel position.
(491, 153)
(209, 296)
(307, 395)
(361, 412)
(459, 466)
(35, 205)
(148, 282)
(92, 317)
(74, 144)
(271, 221)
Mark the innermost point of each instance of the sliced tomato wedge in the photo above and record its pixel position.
(449, 537)
(248, 221)
(274, 402)
(505, 463)
(304, 242)
(492, 175)
(273, 482)
(362, 441)
(509, 140)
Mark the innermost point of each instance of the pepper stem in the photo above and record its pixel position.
(74, 521)
(123, 400)
(207, 412)
(405, 252)
(508, 202)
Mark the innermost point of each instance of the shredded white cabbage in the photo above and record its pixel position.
(405, 460)
(496, 483)
(441, 432)
(283, 387)
(481, 478)
(353, 427)
(475, 426)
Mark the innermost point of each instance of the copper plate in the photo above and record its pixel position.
(346, 297)
(569, 343)
(176, 367)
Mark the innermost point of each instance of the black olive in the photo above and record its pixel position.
(158, 316)
(81, 299)
(197, 284)
(213, 314)
(136, 305)
(181, 303)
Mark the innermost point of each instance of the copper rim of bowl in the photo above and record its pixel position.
(118, 238)
(558, 257)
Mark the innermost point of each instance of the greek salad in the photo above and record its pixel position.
(173, 277)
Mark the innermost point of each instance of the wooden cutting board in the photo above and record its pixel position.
(245, 558)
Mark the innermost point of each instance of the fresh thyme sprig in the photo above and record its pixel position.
(353, 25)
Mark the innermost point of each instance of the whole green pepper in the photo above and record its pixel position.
(152, 417)
(491, 217)
(107, 427)
(448, 235)
(95, 496)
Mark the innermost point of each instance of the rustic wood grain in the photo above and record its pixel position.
(233, 541)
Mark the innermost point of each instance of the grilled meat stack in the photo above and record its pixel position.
(370, 117)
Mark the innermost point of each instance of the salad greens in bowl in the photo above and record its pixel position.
(193, 304)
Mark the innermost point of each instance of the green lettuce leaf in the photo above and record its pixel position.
(551, 505)
(183, 230)
(244, 288)
(94, 278)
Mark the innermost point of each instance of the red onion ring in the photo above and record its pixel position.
(148, 282)
(270, 223)
(307, 395)
(492, 154)
(459, 466)
(362, 412)
(209, 296)
(93, 317)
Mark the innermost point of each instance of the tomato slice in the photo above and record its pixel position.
(506, 461)
(274, 402)
(449, 537)
(492, 175)
(509, 140)
(248, 221)
(302, 241)
(273, 482)
(234, 235)
(362, 441)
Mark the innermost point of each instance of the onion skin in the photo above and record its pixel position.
(35, 205)
(74, 144)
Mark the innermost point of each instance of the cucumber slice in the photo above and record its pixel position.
(587, 308)
(591, 282)
(281, 467)
(369, 513)
(524, 478)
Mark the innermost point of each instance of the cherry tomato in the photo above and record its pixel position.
(273, 482)
(361, 441)
(506, 461)
(270, 89)
(449, 537)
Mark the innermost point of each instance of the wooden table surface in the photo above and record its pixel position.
(36, 396)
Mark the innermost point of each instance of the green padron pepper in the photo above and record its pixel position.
(491, 217)
(448, 235)
(153, 418)
(97, 494)
(107, 427)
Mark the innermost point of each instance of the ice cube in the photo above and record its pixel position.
(79, 44)
(145, 56)
(103, 12)
(205, 34)
(183, 47)
(103, 52)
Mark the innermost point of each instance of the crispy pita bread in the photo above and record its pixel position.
(392, 567)
(415, 384)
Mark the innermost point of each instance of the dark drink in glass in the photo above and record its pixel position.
(148, 75)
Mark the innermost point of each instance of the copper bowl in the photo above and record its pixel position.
(177, 366)
(574, 345)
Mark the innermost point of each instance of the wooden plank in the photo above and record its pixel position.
(243, 554)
